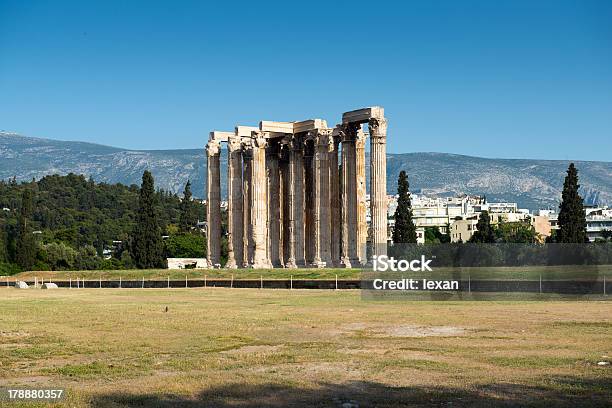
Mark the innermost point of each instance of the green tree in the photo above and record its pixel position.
(59, 256)
(3, 244)
(404, 230)
(484, 232)
(187, 217)
(25, 254)
(186, 246)
(516, 232)
(147, 244)
(126, 260)
(87, 258)
(434, 236)
(572, 217)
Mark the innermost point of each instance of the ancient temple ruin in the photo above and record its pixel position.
(297, 192)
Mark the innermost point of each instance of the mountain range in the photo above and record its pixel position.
(532, 184)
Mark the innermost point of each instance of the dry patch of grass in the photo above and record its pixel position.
(243, 347)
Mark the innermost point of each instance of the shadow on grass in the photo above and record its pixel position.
(559, 392)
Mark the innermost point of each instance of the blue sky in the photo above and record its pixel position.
(512, 79)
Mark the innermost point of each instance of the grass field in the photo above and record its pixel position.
(179, 274)
(251, 348)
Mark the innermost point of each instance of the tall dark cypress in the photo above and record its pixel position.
(572, 217)
(3, 246)
(25, 248)
(147, 244)
(187, 216)
(404, 230)
(484, 232)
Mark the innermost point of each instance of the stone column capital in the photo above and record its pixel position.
(336, 141)
(323, 138)
(286, 141)
(259, 140)
(234, 143)
(296, 143)
(283, 150)
(378, 129)
(348, 131)
(247, 150)
(213, 147)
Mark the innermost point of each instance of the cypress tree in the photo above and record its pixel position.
(572, 217)
(484, 231)
(404, 230)
(25, 247)
(3, 244)
(187, 216)
(147, 244)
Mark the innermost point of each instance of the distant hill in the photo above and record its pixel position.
(532, 183)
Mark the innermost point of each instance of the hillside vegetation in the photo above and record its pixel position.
(76, 221)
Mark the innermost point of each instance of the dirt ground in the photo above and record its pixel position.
(250, 348)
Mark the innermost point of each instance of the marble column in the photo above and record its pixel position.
(259, 210)
(235, 222)
(348, 134)
(335, 203)
(247, 160)
(378, 184)
(273, 203)
(362, 223)
(295, 196)
(284, 198)
(322, 231)
(309, 213)
(213, 203)
(290, 194)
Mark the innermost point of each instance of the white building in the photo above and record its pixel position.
(187, 263)
(498, 208)
(598, 220)
(462, 230)
(444, 212)
(428, 211)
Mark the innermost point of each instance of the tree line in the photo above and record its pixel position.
(70, 222)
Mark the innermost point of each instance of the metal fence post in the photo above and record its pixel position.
(540, 283)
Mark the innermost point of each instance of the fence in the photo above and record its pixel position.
(601, 286)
